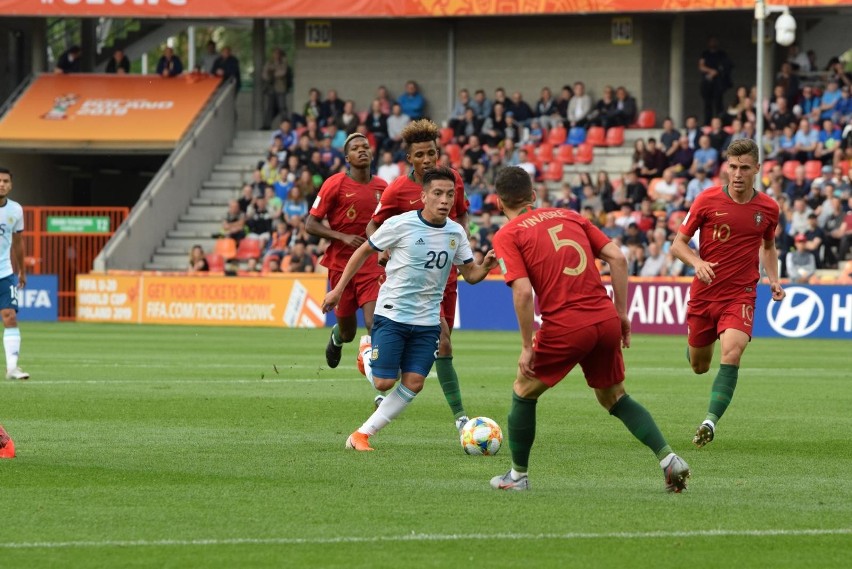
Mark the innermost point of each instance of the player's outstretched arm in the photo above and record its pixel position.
(769, 259)
(18, 253)
(522, 297)
(356, 261)
(315, 226)
(703, 269)
(474, 273)
(613, 257)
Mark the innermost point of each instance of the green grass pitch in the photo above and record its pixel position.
(183, 447)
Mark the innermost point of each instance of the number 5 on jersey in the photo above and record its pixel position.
(560, 243)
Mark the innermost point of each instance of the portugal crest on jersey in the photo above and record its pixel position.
(758, 218)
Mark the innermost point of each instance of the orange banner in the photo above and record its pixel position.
(287, 301)
(363, 8)
(107, 111)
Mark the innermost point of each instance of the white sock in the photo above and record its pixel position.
(517, 475)
(12, 343)
(368, 364)
(665, 462)
(394, 404)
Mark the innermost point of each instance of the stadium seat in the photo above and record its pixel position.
(844, 167)
(675, 219)
(447, 135)
(530, 149)
(455, 154)
(789, 168)
(264, 268)
(249, 249)
(728, 129)
(647, 119)
(596, 136)
(576, 136)
(555, 172)
(768, 165)
(652, 187)
(565, 154)
(585, 153)
(557, 135)
(544, 152)
(813, 169)
(615, 136)
(226, 247)
(475, 203)
(215, 262)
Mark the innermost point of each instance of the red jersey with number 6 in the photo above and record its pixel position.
(556, 250)
(730, 234)
(348, 206)
(403, 194)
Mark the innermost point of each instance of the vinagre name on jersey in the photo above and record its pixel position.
(539, 217)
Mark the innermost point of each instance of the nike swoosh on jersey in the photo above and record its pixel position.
(720, 213)
(412, 202)
(350, 195)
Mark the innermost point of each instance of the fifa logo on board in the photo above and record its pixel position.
(61, 104)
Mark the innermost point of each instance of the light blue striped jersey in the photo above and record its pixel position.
(11, 222)
(421, 257)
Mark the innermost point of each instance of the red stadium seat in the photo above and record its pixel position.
(544, 152)
(789, 168)
(647, 119)
(216, 263)
(596, 136)
(768, 165)
(844, 167)
(585, 153)
(454, 152)
(530, 148)
(249, 249)
(813, 169)
(447, 135)
(555, 172)
(652, 187)
(226, 248)
(557, 135)
(565, 154)
(615, 136)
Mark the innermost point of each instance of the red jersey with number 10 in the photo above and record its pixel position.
(403, 194)
(556, 250)
(348, 206)
(731, 234)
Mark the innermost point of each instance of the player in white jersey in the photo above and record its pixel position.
(406, 327)
(11, 243)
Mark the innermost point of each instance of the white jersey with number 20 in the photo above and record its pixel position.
(11, 222)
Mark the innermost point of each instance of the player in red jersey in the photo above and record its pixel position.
(736, 224)
(7, 445)
(348, 201)
(402, 195)
(552, 252)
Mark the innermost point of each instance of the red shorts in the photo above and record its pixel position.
(706, 320)
(363, 288)
(597, 348)
(451, 294)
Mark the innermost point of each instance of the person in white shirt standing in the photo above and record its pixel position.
(424, 245)
(11, 243)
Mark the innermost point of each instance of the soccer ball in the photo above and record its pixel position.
(481, 436)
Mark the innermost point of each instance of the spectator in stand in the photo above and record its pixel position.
(286, 135)
(492, 128)
(736, 134)
(118, 63)
(843, 114)
(468, 127)
(579, 106)
(299, 261)
(603, 108)
(611, 229)
(535, 134)
(737, 106)
(562, 102)
(520, 109)
(466, 170)
(801, 264)
(481, 106)
(512, 130)
(666, 190)
(246, 198)
(636, 192)
(500, 97)
(280, 240)
(670, 135)
(604, 190)
(567, 198)
(788, 80)
(799, 186)
(313, 106)
(623, 112)
(70, 61)
(277, 81)
(828, 102)
(384, 99)
(637, 160)
(389, 170)
(655, 263)
(546, 111)
(269, 170)
(462, 105)
(318, 169)
(331, 108)
(828, 140)
(303, 150)
(348, 121)
(169, 64)
(475, 151)
(837, 72)
(681, 158)
(412, 102)
(798, 59)
(271, 266)
(845, 150)
(197, 260)
(284, 183)
(705, 157)
(259, 222)
(525, 164)
(691, 130)
(799, 217)
(654, 161)
(787, 144)
(646, 219)
(696, 185)
(715, 68)
(209, 57)
(809, 102)
(806, 140)
(782, 115)
(295, 207)
(234, 224)
(815, 239)
(396, 122)
(227, 66)
(832, 220)
(337, 137)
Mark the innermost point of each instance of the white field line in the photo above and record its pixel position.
(183, 381)
(426, 537)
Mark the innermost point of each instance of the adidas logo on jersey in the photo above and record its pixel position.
(420, 241)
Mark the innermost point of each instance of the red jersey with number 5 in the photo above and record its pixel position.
(403, 194)
(348, 206)
(556, 250)
(730, 234)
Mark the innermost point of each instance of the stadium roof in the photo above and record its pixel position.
(369, 8)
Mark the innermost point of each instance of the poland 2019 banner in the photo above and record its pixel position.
(808, 311)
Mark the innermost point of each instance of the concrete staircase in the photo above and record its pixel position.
(613, 160)
(204, 216)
